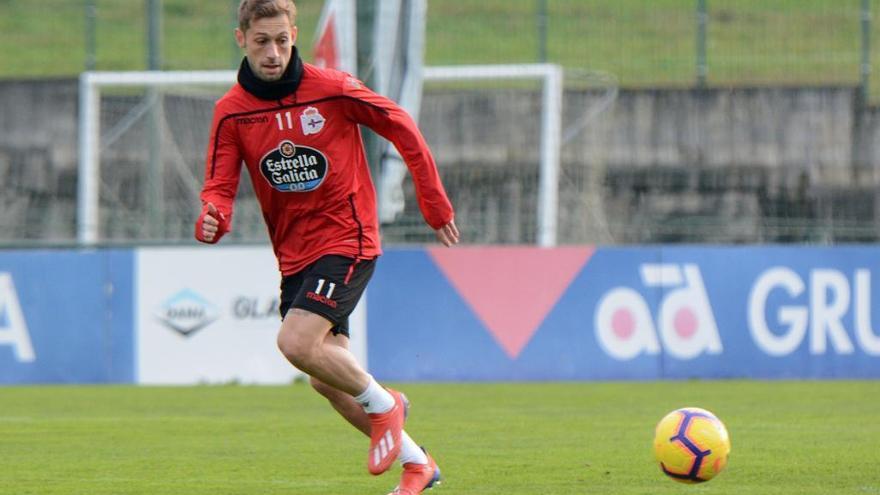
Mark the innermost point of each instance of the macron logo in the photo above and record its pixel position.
(321, 299)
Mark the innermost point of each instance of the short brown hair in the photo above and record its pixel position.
(251, 10)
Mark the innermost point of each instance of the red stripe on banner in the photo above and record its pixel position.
(511, 289)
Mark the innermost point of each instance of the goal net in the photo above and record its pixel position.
(143, 137)
(510, 142)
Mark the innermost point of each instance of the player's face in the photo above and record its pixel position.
(268, 44)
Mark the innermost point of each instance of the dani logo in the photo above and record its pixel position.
(13, 327)
(685, 323)
(186, 312)
(292, 168)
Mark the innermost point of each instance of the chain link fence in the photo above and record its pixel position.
(657, 43)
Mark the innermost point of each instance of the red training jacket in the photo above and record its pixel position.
(308, 167)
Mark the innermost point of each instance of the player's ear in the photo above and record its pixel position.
(239, 37)
(293, 32)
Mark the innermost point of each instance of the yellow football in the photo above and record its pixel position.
(691, 445)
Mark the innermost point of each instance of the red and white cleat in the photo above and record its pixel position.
(385, 430)
(417, 478)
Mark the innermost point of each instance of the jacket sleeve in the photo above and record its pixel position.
(222, 167)
(392, 122)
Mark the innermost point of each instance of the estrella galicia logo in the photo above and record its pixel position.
(186, 312)
(292, 168)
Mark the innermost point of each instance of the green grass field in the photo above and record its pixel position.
(642, 43)
(799, 438)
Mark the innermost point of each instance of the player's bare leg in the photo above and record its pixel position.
(348, 408)
(302, 341)
(344, 403)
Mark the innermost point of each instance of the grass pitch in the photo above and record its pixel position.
(556, 438)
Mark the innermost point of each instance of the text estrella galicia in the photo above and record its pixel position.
(292, 168)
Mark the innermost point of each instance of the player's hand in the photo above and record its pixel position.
(209, 224)
(448, 234)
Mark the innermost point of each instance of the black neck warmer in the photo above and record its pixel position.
(274, 90)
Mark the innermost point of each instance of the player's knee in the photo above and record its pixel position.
(297, 350)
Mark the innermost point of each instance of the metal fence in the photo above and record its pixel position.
(661, 42)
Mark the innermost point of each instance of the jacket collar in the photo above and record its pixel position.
(274, 90)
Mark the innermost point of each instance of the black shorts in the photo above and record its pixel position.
(330, 287)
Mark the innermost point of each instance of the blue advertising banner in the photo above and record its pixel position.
(506, 313)
(66, 316)
(624, 313)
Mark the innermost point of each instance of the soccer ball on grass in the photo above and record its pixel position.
(691, 445)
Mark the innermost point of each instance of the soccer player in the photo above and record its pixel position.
(295, 128)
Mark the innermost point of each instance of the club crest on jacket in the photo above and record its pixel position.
(312, 121)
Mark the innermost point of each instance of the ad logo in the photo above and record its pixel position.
(781, 332)
(187, 312)
(625, 326)
(13, 327)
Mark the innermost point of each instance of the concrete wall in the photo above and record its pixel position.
(802, 128)
(667, 165)
(38, 155)
(40, 114)
(816, 128)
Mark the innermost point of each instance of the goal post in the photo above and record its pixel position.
(89, 166)
(551, 77)
(192, 94)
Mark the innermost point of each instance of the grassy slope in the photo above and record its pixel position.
(52, 41)
(643, 43)
(801, 438)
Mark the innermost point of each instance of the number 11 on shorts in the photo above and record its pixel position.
(330, 288)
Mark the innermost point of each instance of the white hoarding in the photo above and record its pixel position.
(210, 315)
